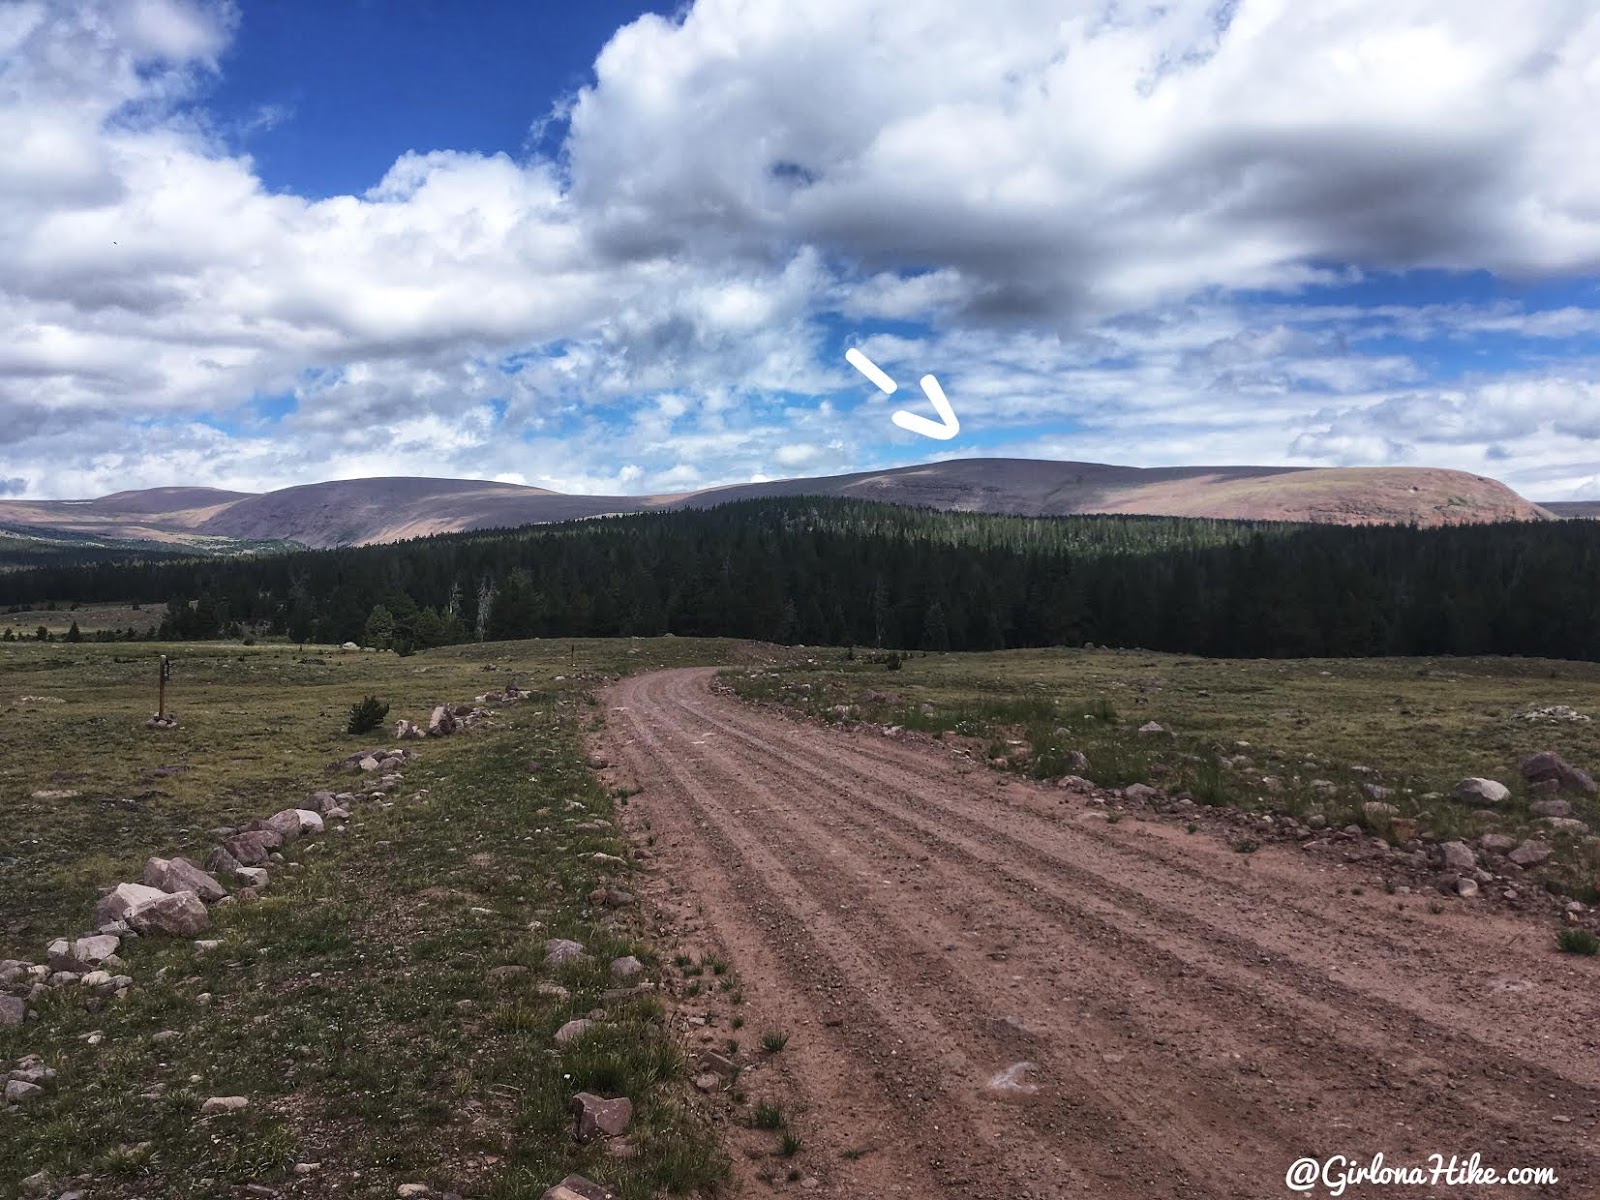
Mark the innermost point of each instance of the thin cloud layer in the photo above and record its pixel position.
(1116, 231)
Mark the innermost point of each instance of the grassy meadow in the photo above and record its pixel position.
(357, 1002)
(24, 623)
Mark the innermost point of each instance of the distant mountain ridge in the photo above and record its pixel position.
(1573, 509)
(360, 511)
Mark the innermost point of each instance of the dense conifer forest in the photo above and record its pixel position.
(841, 572)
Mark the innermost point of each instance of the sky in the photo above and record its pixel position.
(597, 247)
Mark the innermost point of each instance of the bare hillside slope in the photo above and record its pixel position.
(360, 511)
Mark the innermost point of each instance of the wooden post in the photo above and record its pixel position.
(161, 698)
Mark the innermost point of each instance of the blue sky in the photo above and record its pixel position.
(607, 248)
(326, 96)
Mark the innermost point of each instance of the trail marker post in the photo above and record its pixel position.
(162, 720)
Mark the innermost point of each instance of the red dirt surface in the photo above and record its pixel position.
(1199, 1019)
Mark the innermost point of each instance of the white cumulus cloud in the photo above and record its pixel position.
(1093, 217)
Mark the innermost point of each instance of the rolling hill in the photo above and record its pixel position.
(360, 511)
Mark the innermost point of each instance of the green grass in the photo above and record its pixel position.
(353, 1002)
(1577, 941)
(91, 618)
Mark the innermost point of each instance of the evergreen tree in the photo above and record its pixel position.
(832, 571)
(378, 632)
(935, 634)
(430, 629)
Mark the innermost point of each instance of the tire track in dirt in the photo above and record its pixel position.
(1332, 938)
(1289, 1020)
(850, 881)
(1183, 859)
(1088, 960)
(875, 1009)
(960, 1002)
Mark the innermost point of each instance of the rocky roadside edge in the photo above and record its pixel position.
(175, 898)
(1503, 865)
(731, 1072)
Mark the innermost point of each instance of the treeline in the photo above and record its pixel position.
(74, 634)
(839, 572)
(23, 549)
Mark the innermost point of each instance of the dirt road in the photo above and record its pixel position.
(1197, 1019)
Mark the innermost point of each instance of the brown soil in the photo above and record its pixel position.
(1199, 1019)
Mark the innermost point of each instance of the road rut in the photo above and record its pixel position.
(1197, 1019)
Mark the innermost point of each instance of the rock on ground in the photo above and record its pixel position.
(1548, 765)
(320, 802)
(1567, 825)
(560, 950)
(1482, 793)
(576, 1187)
(121, 900)
(310, 820)
(18, 1092)
(573, 1029)
(1551, 808)
(598, 1117)
(182, 875)
(13, 1011)
(178, 913)
(1458, 856)
(252, 849)
(611, 897)
(225, 1104)
(1531, 853)
(220, 862)
(285, 823)
(82, 955)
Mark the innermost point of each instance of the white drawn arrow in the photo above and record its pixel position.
(945, 428)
